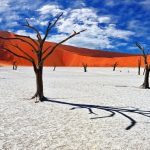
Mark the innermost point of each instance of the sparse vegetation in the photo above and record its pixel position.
(85, 67)
(54, 68)
(115, 65)
(15, 65)
(145, 84)
(139, 66)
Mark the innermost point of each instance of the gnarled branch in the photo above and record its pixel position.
(15, 38)
(16, 46)
(33, 28)
(50, 26)
(17, 54)
(54, 47)
(28, 37)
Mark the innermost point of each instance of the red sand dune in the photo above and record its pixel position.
(67, 55)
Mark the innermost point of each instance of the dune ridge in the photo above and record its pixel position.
(66, 55)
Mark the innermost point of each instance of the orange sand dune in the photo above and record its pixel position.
(66, 55)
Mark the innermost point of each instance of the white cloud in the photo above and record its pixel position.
(104, 19)
(37, 21)
(24, 32)
(95, 36)
(4, 5)
(112, 31)
(73, 19)
(50, 9)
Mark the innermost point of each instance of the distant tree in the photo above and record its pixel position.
(85, 67)
(14, 65)
(115, 65)
(38, 50)
(54, 68)
(139, 66)
(144, 71)
(145, 84)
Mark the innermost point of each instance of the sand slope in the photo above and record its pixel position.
(68, 55)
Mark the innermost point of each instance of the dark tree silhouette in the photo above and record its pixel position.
(145, 85)
(114, 66)
(54, 68)
(139, 66)
(38, 50)
(85, 67)
(14, 65)
(144, 71)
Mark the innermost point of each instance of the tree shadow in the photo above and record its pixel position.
(112, 110)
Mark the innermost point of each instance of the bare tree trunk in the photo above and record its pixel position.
(114, 66)
(145, 85)
(39, 84)
(85, 67)
(139, 66)
(14, 65)
(144, 71)
(139, 70)
(54, 68)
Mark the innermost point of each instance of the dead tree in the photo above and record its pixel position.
(144, 71)
(38, 50)
(139, 66)
(14, 65)
(54, 68)
(85, 67)
(114, 66)
(145, 84)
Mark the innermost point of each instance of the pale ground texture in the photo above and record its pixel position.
(97, 110)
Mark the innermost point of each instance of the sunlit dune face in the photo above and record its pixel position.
(67, 55)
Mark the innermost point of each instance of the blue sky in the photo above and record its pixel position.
(113, 25)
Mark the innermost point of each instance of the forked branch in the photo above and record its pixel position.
(15, 38)
(143, 52)
(28, 37)
(34, 29)
(21, 50)
(54, 47)
(17, 54)
(50, 26)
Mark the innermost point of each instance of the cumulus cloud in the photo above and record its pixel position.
(73, 18)
(95, 36)
(49, 9)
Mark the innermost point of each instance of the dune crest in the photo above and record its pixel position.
(66, 55)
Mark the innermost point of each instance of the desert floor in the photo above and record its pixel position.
(100, 109)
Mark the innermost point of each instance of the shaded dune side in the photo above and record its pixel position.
(66, 55)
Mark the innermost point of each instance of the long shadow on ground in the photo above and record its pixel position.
(112, 110)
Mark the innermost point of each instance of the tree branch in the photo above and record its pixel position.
(50, 26)
(46, 50)
(16, 46)
(143, 52)
(23, 36)
(20, 40)
(54, 47)
(33, 28)
(16, 54)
